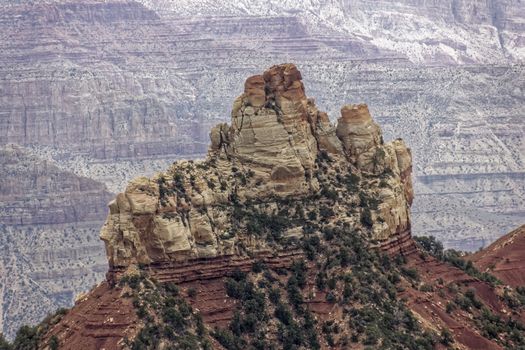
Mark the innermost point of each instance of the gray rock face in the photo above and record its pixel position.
(74, 77)
(35, 192)
(49, 222)
(440, 31)
(111, 90)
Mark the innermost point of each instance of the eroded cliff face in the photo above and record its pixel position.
(110, 90)
(278, 148)
(49, 225)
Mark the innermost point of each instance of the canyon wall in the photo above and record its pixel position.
(113, 90)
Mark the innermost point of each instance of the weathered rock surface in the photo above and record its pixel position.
(35, 192)
(447, 31)
(49, 220)
(103, 319)
(358, 132)
(270, 152)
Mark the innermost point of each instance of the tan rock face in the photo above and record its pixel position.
(254, 90)
(357, 130)
(279, 147)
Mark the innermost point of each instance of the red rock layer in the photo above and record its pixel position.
(401, 243)
(207, 275)
(101, 320)
(211, 268)
(431, 306)
(504, 258)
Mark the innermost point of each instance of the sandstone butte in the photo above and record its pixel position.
(277, 181)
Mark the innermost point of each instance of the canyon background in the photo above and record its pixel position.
(95, 93)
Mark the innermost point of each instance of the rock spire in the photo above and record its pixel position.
(279, 146)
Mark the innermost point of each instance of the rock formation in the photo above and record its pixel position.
(202, 255)
(111, 90)
(271, 151)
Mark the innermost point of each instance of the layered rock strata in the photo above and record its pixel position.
(49, 225)
(110, 91)
(273, 150)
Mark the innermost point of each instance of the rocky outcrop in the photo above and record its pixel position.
(272, 151)
(86, 84)
(271, 131)
(103, 319)
(358, 132)
(283, 198)
(203, 269)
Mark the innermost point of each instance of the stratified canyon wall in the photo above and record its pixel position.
(48, 236)
(111, 90)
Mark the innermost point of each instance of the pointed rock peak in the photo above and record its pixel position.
(357, 130)
(278, 82)
(284, 80)
(254, 88)
(355, 113)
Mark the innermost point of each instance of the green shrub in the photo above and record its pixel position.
(148, 338)
(274, 295)
(331, 297)
(352, 182)
(283, 314)
(227, 339)
(26, 338)
(446, 337)
(171, 288)
(53, 343)
(312, 215)
(431, 245)
(173, 317)
(192, 292)
(258, 266)
(299, 272)
(4, 344)
(294, 293)
(450, 307)
(366, 218)
(410, 273)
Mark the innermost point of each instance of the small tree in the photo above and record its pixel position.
(4, 345)
(26, 338)
(53, 342)
(366, 218)
(446, 337)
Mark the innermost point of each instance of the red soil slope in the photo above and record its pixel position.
(100, 320)
(104, 318)
(504, 258)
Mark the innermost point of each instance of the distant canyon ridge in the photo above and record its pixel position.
(95, 93)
